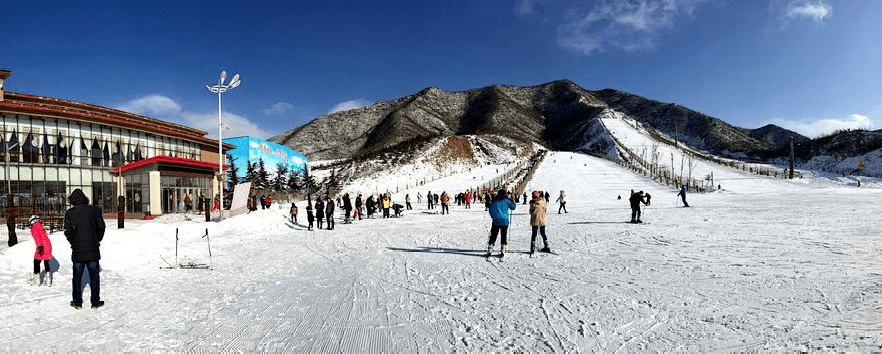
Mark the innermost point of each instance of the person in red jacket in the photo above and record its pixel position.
(43, 253)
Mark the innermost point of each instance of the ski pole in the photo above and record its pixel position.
(208, 240)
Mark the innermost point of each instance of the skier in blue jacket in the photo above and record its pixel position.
(499, 208)
(682, 195)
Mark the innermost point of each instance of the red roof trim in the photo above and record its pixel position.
(167, 160)
(53, 107)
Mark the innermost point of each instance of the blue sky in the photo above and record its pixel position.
(809, 65)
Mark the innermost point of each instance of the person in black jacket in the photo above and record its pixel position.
(84, 229)
(319, 212)
(347, 206)
(359, 206)
(329, 213)
(636, 199)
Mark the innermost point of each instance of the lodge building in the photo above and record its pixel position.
(49, 147)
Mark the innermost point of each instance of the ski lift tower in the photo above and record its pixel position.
(219, 89)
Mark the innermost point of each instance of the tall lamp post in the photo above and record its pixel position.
(219, 89)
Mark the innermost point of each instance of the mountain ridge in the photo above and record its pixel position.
(558, 115)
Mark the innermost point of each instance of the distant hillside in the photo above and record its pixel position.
(558, 115)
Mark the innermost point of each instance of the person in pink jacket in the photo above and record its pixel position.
(43, 253)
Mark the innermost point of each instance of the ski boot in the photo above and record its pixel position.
(489, 249)
(532, 248)
(47, 280)
(76, 305)
(98, 304)
(35, 280)
(501, 251)
(546, 249)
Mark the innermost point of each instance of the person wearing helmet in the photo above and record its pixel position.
(42, 254)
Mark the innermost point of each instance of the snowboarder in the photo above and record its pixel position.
(84, 229)
(329, 213)
(43, 252)
(499, 209)
(682, 194)
(310, 217)
(538, 210)
(636, 199)
(293, 212)
(562, 199)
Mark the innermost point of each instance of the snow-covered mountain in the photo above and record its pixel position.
(558, 115)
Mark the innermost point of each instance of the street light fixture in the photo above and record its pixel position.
(219, 89)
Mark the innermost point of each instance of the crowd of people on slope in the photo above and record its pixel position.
(498, 206)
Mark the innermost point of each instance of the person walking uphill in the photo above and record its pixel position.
(84, 229)
(42, 254)
(538, 210)
(562, 199)
(499, 208)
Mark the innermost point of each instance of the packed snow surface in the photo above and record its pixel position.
(763, 264)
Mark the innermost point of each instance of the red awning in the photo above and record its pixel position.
(170, 161)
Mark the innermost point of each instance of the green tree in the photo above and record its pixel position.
(251, 172)
(281, 177)
(294, 180)
(263, 178)
(233, 174)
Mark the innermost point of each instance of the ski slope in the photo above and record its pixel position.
(765, 265)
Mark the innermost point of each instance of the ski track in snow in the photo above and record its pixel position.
(779, 266)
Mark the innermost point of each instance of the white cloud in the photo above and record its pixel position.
(278, 109)
(164, 108)
(630, 25)
(525, 7)
(814, 11)
(152, 105)
(352, 104)
(825, 126)
(239, 125)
